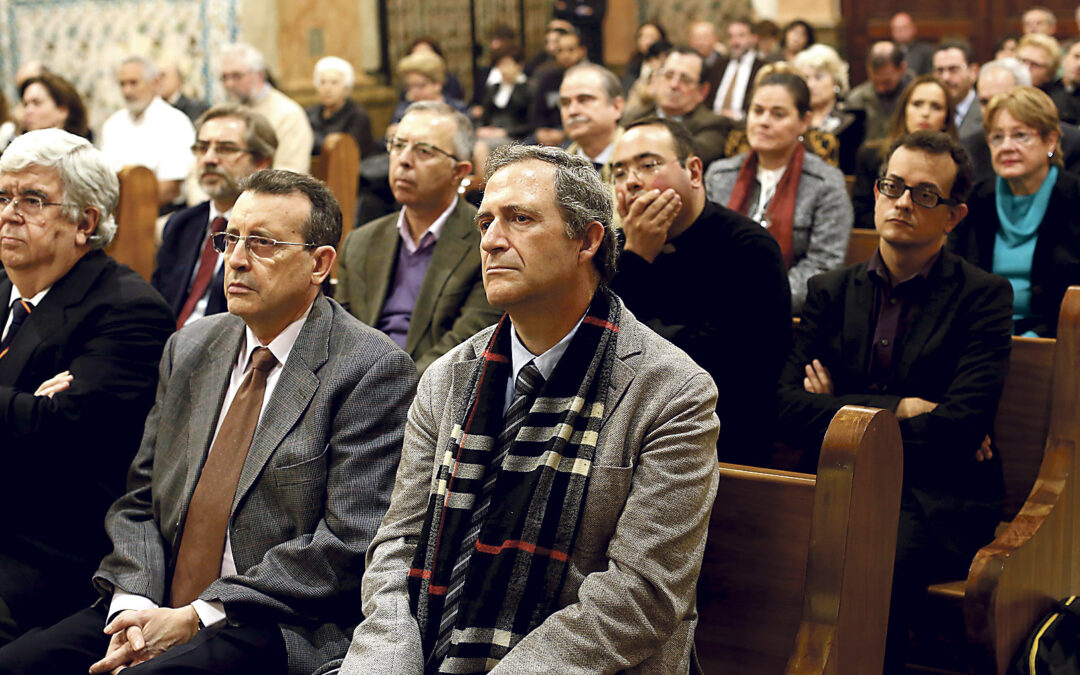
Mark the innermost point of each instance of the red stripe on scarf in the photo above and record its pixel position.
(601, 322)
(492, 356)
(780, 212)
(524, 546)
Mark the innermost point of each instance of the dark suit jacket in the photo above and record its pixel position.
(715, 75)
(64, 456)
(545, 105)
(514, 118)
(955, 352)
(182, 243)
(312, 491)
(710, 131)
(1056, 262)
(192, 107)
(451, 305)
(738, 266)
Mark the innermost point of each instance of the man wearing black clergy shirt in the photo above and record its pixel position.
(919, 331)
(231, 143)
(705, 277)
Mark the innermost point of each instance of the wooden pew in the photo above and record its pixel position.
(1035, 561)
(861, 246)
(797, 567)
(339, 167)
(136, 215)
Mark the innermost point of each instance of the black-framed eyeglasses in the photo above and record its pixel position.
(421, 150)
(223, 150)
(922, 196)
(260, 247)
(26, 206)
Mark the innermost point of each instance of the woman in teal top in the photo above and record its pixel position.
(1024, 224)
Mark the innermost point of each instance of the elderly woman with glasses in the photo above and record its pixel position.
(336, 112)
(1024, 224)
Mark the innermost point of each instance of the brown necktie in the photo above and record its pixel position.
(207, 263)
(203, 544)
(729, 95)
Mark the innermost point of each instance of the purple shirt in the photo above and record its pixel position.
(890, 314)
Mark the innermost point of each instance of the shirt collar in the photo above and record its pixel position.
(429, 237)
(603, 158)
(880, 271)
(520, 356)
(964, 105)
(280, 346)
(16, 295)
(214, 213)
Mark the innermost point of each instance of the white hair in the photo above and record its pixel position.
(149, 68)
(87, 179)
(251, 57)
(1010, 65)
(823, 57)
(338, 65)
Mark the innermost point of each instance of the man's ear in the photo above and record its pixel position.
(324, 262)
(697, 171)
(590, 241)
(956, 214)
(87, 225)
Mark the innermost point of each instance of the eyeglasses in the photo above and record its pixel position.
(260, 247)
(223, 150)
(682, 78)
(421, 150)
(26, 206)
(924, 197)
(644, 168)
(997, 139)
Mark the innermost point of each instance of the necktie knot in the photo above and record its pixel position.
(263, 360)
(20, 309)
(529, 380)
(218, 224)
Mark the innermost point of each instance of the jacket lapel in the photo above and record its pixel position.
(857, 331)
(450, 250)
(378, 267)
(292, 394)
(627, 347)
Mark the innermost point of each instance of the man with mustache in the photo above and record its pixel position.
(922, 332)
(148, 132)
(591, 102)
(415, 274)
(233, 142)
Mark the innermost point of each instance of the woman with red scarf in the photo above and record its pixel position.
(799, 198)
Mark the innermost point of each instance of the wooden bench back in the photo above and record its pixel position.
(136, 217)
(861, 246)
(797, 567)
(338, 165)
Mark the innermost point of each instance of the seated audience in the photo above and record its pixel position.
(546, 56)
(502, 39)
(505, 107)
(591, 102)
(916, 52)
(826, 75)
(80, 339)
(878, 96)
(800, 199)
(642, 93)
(239, 545)
(1025, 225)
(650, 33)
(733, 75)
(424, 74)
(1067, 97)
(451, 89)
(924, 105)
(169, 85)
(336, 112)
(955, 67)
(545, 117)
(590, 459)
(51, 102)
(767, 34)
(921, 332)
(677, 240)
(149, 132)
(1042, 55)
(232, 142)
(415, 274)
(680, 94)
(798, 35)
(1039, 20)
(243, 72)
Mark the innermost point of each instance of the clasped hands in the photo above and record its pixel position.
(140, 635)
(818, 380)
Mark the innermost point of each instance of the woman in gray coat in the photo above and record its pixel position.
(800, 199)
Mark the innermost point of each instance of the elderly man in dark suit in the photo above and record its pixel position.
(265, 467)
(415, 274)
(232, 142)
(80, 337)
(568, 441)
(919, 331)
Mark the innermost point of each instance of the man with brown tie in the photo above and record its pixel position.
(232, 142)
(266, 465)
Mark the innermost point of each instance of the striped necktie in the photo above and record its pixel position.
(20, 309)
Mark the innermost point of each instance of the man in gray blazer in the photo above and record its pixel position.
(558, 470)
(257, 489)
(415, 274)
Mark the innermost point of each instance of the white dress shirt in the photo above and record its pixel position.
(160, 139)
(736, 74)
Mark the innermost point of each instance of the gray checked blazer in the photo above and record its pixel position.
(628, 603)
(315, 484)
(823, 217)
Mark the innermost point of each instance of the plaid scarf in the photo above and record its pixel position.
(517, 567)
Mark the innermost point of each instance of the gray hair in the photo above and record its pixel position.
(149, 68)
(580, 194)
(323, 226)
(464, 137)
(85, 175)
(823, 57)
(1010, 65)
(251, 57)
(259, 135)
(609, 82)
(336, 64)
